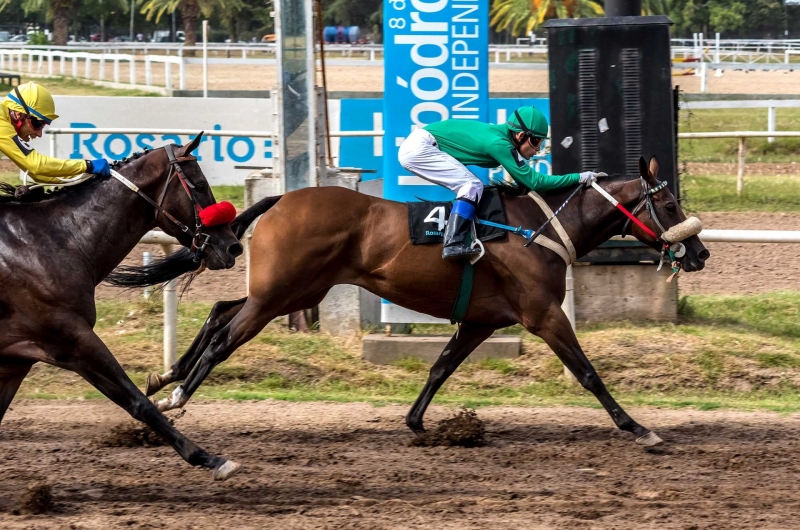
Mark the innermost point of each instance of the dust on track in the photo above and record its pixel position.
(350, 466)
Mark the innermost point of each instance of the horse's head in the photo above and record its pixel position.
(189, 212)
(660, 212)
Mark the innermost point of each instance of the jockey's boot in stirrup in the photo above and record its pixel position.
(458, 226)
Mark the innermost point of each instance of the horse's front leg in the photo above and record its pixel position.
(555, 329)
(89, 357)
(466, 339)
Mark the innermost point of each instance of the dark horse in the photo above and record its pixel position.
(312, 239)
(56, 247)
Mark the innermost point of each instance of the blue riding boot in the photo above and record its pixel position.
(455, 235)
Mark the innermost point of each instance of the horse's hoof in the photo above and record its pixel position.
(227, 470)
(153, 384)
(650, 439)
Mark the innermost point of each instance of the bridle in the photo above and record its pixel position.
(674, 249)
(199, 238)
(647, 201)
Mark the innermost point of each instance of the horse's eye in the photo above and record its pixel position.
(670, 206)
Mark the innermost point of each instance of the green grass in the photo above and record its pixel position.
(726, 150)
(233, 194)
(65, 86)
(717, 193)
(726, 352)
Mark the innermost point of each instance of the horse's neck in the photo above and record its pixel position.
(110, 222)
(593, 220)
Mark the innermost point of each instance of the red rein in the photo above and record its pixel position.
(637, 221)
(222, 213)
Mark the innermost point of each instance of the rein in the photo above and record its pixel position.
(221, 210)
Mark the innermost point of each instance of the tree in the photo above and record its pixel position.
(523, 16)
(190, 12)
(57, 10)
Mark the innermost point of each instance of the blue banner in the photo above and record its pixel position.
(368, 153)
(436, 67)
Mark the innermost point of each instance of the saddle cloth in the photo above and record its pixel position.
(426, 220)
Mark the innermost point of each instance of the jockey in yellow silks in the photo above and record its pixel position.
(25, 112)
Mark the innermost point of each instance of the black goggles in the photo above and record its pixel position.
(36, 123)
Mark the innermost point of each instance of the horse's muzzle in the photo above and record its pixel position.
(696, 264)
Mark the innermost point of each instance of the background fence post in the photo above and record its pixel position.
(740, 174)
(170, 319)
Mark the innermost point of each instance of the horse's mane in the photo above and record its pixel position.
(40, 194)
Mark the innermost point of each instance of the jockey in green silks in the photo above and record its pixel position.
(441, 151)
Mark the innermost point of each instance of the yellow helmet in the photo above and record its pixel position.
(32, 99)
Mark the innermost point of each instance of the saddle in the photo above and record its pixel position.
(427, 220)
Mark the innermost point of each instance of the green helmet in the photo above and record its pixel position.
(529, 120)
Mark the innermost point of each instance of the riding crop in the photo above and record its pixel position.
(573, 194)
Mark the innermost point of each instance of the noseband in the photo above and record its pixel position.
(199, 239)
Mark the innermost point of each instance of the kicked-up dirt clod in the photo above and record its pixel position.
(464, 430)
(37, 499)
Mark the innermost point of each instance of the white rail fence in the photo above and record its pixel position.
(55, 63)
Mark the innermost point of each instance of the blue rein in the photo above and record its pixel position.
(524, 232)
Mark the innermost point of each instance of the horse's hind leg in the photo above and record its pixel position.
(556, 330)
(11, 377)
(221, 314)
(244, 326)
(466, 339)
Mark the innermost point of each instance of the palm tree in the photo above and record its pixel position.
(523, 16)
(58, 10)
(190, 12)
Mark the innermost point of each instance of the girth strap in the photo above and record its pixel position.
(567, 251)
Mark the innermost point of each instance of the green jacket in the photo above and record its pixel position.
(474, 143)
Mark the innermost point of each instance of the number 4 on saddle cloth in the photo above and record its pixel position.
(427, 220)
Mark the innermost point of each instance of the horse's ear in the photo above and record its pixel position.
(654, 167)
(643, 172)
(193, 144)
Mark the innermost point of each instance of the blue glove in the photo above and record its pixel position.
(98, 167)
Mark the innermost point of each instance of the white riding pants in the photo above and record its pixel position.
(420, 154)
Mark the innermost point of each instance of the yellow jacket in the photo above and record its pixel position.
(40, 168)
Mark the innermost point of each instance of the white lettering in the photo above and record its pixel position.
(465, 34)
(467, 77)
(429, 73)
(433, 27)
(433, 7)
(419, 41)
(461, 47)
(463, 65)
(468, 10)
(467, 99)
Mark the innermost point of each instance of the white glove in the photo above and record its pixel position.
(590, 177)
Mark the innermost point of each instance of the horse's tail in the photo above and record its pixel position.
(181, 262)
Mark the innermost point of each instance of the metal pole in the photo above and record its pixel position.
(132, 12)
(170, 319)
(771, 123)
(147, 259)
(205, 58)
(740, 174)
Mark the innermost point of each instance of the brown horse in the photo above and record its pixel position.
(55, 249)
(312, 239)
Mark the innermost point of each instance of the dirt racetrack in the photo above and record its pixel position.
(349, 466)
